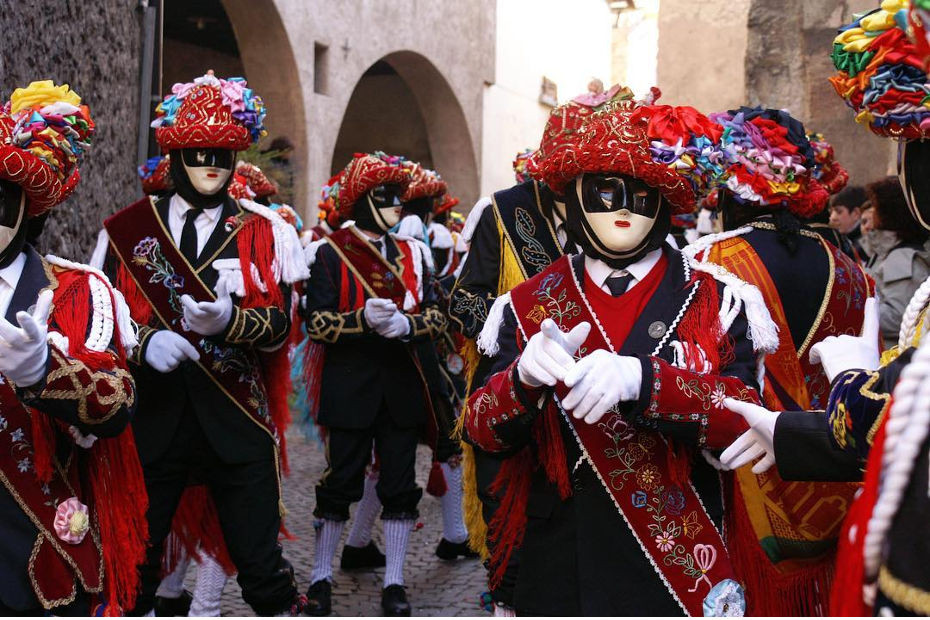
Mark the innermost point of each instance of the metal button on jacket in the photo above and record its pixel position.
(657, 329)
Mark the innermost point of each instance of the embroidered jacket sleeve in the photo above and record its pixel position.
(265, 327)
(499, 414)
(97, 397)
(834, 444)
(325, 322)
(476, 289)
(688, 405)
(430, 322)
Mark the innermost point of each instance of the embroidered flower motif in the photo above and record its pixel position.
(718, 395)
(17, 435)
(3, 423)
(145, 247)
(230, 223)
(537, 314)
(647, 477)
(174, 281)
(674, 501)
(71, 521)
(665, 542)
(639, 499)
(24, 465)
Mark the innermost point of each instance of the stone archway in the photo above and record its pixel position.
(270, 66)
(416, 115)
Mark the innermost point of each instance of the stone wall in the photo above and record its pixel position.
(95, 47)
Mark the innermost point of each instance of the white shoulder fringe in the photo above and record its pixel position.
(471, 222)
(487, 339)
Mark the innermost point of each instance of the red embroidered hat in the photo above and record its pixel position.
(665, 146)
(829, 172)
(424, 183)
(364, 173)
(155, 175)
(209, 112)
(445, 203)
(260, 184)
(44, 131)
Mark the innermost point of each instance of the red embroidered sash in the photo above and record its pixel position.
(377, 276)
(55, 566)
(161, 273)
(669, 521)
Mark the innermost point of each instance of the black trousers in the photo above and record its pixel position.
(348, 452)
(246, 497)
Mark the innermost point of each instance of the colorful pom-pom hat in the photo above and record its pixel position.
(767, 161)
(44, 132)
(667, 147)
(362, 174)
(209, 112)
(881, 73)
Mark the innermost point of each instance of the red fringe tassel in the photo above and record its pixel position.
(506, 529)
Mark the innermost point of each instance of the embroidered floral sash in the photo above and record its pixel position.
(161, 273)
(668, 520)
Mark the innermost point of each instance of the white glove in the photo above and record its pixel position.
(84, 441)
(167, 349)
(378, 311)
(759, 440)
(209, 318)
(396, 326)
(548, 354)
(24, 349)
(599, 381)
(839, 353)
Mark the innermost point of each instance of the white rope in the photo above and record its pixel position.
(905, 431)
(909, 321)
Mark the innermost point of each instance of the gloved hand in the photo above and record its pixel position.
(759, 440)
(396, 326)
(839, 353)
(548, 354)
(378, 311)
(209, 318)
(24, 349)
(166, 350)
(599, 381)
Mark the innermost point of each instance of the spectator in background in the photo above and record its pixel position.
(897, 271)
(281, 150)
(845, 216)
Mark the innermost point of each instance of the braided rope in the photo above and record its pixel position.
(912, 315)
(905, 431)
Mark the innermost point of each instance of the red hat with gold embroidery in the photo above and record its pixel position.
(424, 183)
(564, 126)
(44, 131)
(209, 112)
(445, 203)
(260, 184)
(364, 173)
(667, 147)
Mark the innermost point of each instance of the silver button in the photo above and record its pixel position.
(657, 329)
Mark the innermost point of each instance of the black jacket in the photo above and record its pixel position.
(362, 369)
(188, 390)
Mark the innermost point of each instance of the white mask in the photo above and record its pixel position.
(616, 234)
(386, 217)
(207, 180)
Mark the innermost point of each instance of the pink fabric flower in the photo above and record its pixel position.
(72, 521)
(233, 95)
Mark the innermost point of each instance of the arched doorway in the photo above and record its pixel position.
(247, 38)
(403, 105)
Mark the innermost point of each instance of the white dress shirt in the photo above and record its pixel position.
(599, 271)
(9, 278)
(204, 224)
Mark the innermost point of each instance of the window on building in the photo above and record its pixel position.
(320, 68)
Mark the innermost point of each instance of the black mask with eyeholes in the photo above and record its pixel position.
(914, 175)
(367, 211)
(13, 221)
(609, 193)
(196, 158)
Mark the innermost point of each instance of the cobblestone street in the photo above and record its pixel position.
(434, 587)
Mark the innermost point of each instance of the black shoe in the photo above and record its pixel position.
(447, 550)
(319, 598)
(394, 601)
(362, 558)
(179, 606)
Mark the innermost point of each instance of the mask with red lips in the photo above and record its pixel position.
(616, 218)
(379, 210)
(203, 176)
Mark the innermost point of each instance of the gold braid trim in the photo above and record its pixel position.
(904, 594)
(328, 326)
(251, 325)
(70, 370)
(432, 323)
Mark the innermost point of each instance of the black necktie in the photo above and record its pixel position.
(617, 285)
(379, 244)
(189, 235)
